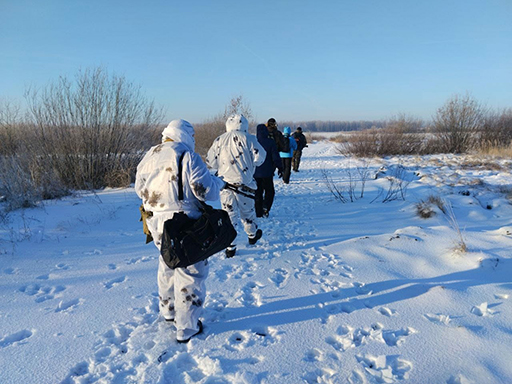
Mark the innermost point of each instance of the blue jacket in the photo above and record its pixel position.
(272, 161)
(293, 144)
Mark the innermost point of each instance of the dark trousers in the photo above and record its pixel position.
(264, 197)
(296, 159)
(287, 169)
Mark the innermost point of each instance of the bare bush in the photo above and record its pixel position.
(334, 189)
(361, 144)
(364, 174)
(496, 130)
(312, 136)
(400, 136)
(16, 185)
(356, 178)
(207, 132)
(457, 124)
(89, 130)
(397, 187)
(10, 121)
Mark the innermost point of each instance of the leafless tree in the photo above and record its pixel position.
(210, 129)
(496, 129)
(90, 130)
(458, 122)
(10, 120)
(238, 105)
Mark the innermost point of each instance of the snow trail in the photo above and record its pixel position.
(333, 293)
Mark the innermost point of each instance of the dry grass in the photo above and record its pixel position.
(502, 152)
(460, 245)
(425, 208)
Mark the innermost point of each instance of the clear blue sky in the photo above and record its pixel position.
(293, 60)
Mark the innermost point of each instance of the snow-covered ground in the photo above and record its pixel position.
(360, 292)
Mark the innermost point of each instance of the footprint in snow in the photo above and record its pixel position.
(238, 341)
(362, 289)
(62, 266)
(357, 377)
(248, 297)
(11, 271)
(482, 310)
(458, 379)
(41, 293)
(387, 311)
(112, 267)
(112, 283)
(68, 306)
(347, 337)
(385, 369)
(260, 335)
(225, 272)
(279, 276)
(94, 252)
(16, 338)
(322, 375)
(438, 318)
(137, 260)
(267, 335)
(103, 354)
(313, 355)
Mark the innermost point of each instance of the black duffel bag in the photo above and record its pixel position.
(186, 241)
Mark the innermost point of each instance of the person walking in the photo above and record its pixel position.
(301, 141)
(286, 157)
(182, 290)
(264, 174)
(235, 155)
(276, 135)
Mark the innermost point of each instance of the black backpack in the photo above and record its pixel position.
(283, 143)
(187, 241)
(286, 144)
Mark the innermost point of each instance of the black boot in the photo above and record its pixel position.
(230, 252)
(253, 240)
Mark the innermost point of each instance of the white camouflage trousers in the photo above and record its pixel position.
(182, 292)
(239, 207)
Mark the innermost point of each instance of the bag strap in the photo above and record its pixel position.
(204, 206)
(180, 177)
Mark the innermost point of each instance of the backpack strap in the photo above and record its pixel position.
(180, 177)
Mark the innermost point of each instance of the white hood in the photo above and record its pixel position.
(180, 131)
(237, 123)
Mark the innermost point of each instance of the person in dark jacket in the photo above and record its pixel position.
(264, 174)
(276, 135)
(301, 141)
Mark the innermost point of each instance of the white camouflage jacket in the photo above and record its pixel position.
(157, 178)
(236, 154)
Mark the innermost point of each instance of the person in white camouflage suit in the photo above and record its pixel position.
(182, 290)
(235, 155)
